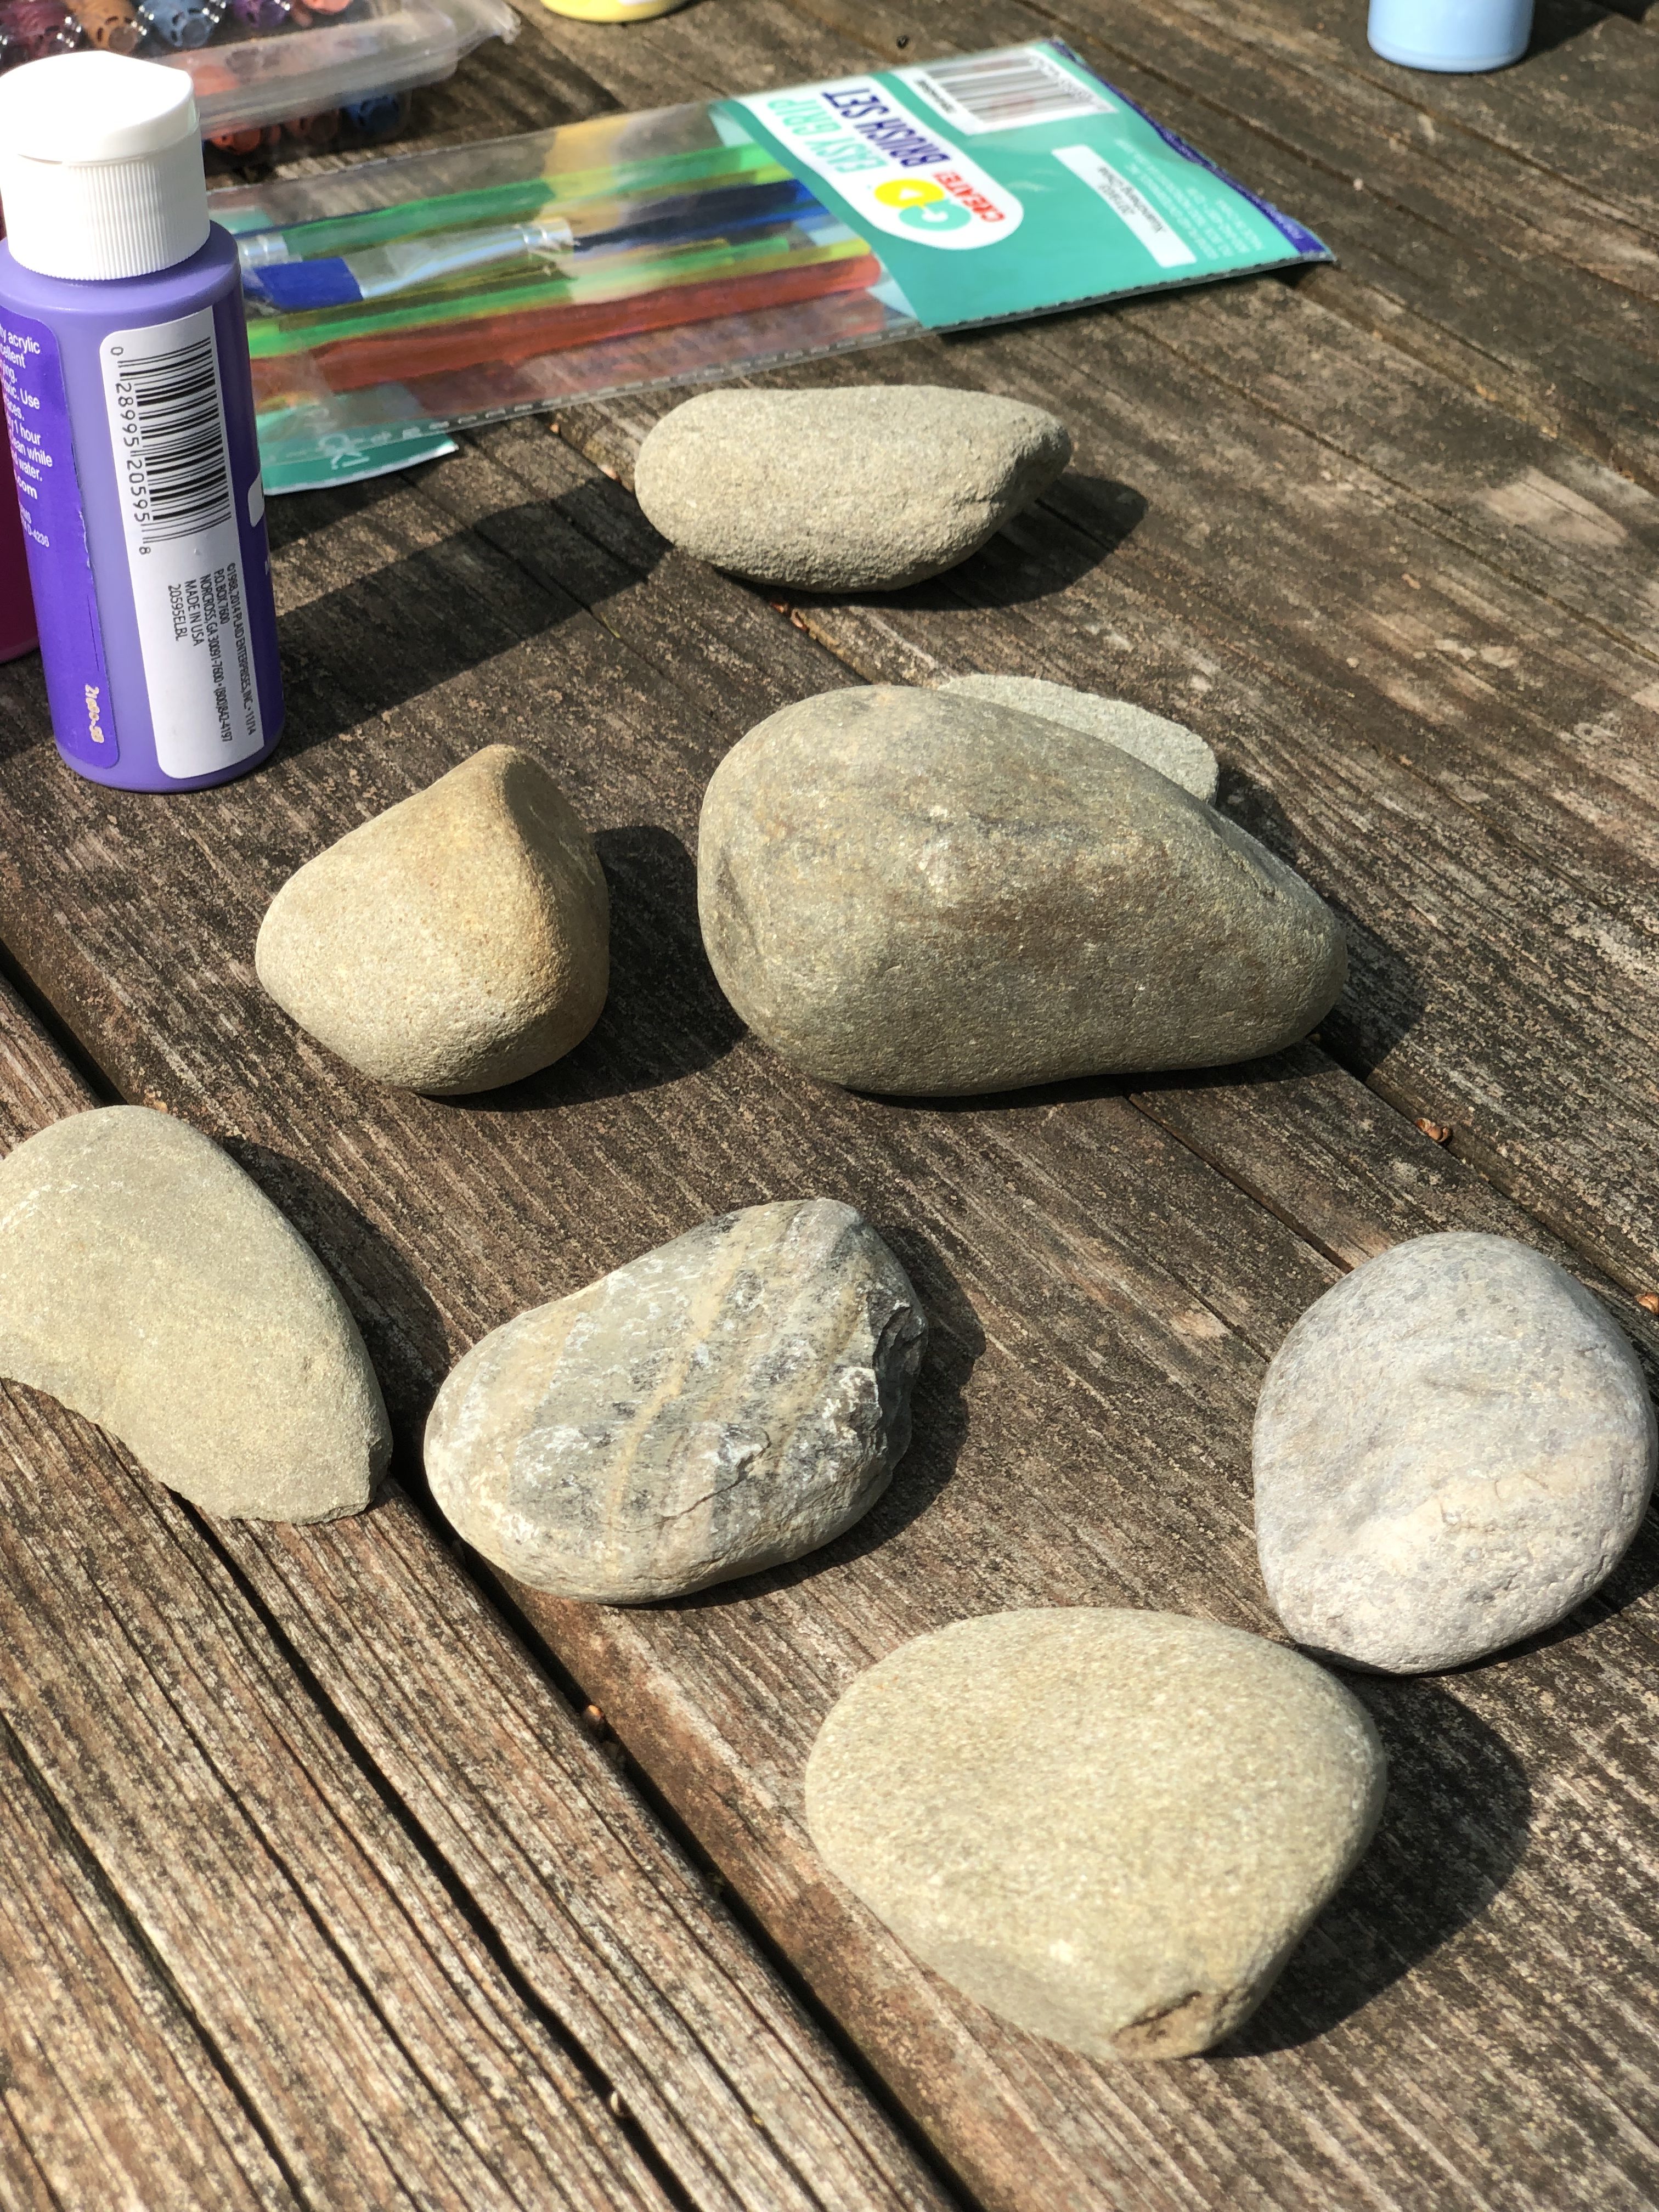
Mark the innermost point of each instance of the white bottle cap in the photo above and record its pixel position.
(101, 166)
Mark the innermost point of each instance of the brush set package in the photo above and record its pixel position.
(391, 301)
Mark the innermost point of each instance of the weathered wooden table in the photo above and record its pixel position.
(317, 1885)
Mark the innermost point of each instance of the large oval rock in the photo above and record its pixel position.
(1110, 1827)
(907, 892)
(1169, 747)
(456, 942)
(149, 1286)
(727, 1402)
(844, 491)
(1453, 1447)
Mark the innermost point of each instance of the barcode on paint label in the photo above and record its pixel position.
(177, 476)
(1006, 91)
(166, 420)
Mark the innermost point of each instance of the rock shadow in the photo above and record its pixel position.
(1454, 1830)
(1077, 523)
(1384, 998)
(665, 1017)
(406, 1337)
(940, 1427)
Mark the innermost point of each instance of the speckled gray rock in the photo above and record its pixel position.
(456, 942)
(908, 892)
(1169, 747)
(1110, 1827)
(1453, 1447)
(727, 1402)
(149, 1286)
(858, 490)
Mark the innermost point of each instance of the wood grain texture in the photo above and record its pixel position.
(393, 1889)
(1104, 1299)
(108, 2096)
(1248, 541)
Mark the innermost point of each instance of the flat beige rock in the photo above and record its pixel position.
(457, 942)
(1111, 1827)
(147, 1284)
(1169, 747)
(865, 489)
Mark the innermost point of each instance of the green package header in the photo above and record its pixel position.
(1010, 183)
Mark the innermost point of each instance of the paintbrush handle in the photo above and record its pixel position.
(397, 360)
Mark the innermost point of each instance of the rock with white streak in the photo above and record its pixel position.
(859, 489)
(457, 942)
(727, 1402)
(1110, 1827)
(1454, 1448)
(147, 1283)
(1169, 747)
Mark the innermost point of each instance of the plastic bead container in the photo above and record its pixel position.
(268, 71)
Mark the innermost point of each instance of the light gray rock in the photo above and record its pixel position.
(1169, 747)
(459, 941)
(859, 490)
(911, 893)
(149, 1286)
(727, 1402)
(1453, 1447)
(1110, 1827)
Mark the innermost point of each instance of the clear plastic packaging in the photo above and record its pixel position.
(700, 256)
(260, 65)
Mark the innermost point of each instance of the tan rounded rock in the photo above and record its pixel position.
(457, 942)
(1110, 1827)
(147, 1284)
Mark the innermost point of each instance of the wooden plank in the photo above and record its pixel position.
(108, 2096)
(363, 2019)
(481, 1857)
(1103, 1301)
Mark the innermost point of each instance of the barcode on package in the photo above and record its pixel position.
(166, 421)
(1006, 91)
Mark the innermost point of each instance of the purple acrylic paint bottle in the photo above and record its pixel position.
(130, 405)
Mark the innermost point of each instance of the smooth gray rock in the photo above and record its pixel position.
(149, 1286)
(912, 893)
(1169, 747)
(727, 1402)
(1110, 1827)
(859, 490)
(1453, 1447)
(459, 941)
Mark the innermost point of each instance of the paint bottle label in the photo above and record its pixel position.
(167, 427)
(49, 497)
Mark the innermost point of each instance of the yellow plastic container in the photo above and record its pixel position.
(613, 11)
